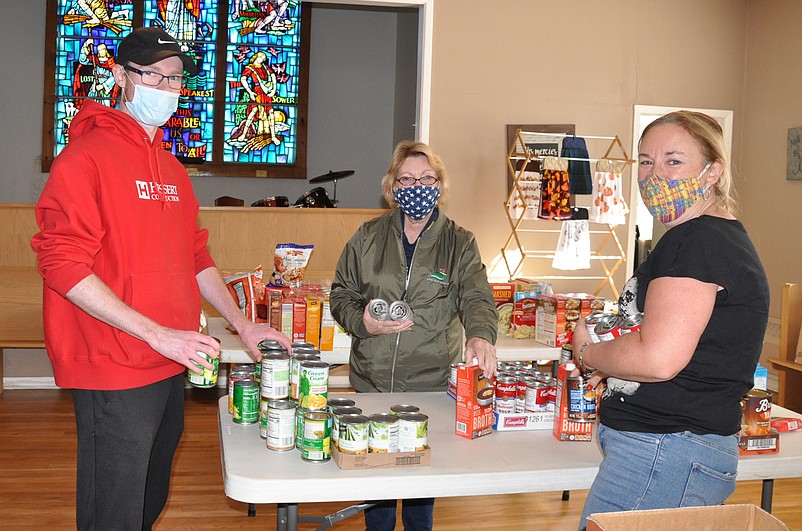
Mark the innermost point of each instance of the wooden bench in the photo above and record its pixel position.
(240, 238)
(789, 372)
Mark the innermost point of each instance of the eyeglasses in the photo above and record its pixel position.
(154, 79)
(408, 180)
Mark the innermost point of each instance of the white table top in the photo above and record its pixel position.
(500, 463)
(507, 349)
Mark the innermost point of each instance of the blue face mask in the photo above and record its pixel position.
(417, 202)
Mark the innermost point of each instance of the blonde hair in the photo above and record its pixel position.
(710, 138)
(411, 148)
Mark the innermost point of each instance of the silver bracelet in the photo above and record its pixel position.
(579, 355)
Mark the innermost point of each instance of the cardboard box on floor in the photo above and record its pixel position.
(745, 517)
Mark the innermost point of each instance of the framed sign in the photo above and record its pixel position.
(545, 146)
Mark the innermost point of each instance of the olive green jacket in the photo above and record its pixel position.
(447, 290)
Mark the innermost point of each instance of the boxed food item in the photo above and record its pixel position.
(348, 461)
(503, 295)
(743, 517)
(558, 315)
(543, 420)
(475, 396)
(524, 310)
(563, 427)
(327, 326)
(782, 424)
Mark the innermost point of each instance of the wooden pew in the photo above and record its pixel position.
(789, 372)
(240, 238)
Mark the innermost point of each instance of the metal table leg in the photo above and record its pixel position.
(766, 495)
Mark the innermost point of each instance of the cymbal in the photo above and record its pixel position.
(331, 176)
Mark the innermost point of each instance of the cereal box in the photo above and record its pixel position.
(565, 429)
(558, 314)
(503, 295)
(475, 395)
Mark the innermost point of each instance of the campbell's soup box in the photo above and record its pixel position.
(559, 314)
(504, 297)
(565, 429)
(475, 396)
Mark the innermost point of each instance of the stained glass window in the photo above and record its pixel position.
(242, 114)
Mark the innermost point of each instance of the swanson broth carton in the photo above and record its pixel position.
(475, 396)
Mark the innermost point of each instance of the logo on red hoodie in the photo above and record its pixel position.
(155, 191)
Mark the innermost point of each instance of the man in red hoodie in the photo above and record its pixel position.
(125, 265)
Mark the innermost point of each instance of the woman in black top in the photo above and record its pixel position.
(671, 410)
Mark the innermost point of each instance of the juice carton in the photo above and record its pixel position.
(475, 396)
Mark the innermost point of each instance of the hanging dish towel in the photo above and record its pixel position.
(573, 248)
(608, 195)
(578, 170)
(526, 199)
(555, 193)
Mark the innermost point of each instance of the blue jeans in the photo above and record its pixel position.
(661, 470)
(417, 515)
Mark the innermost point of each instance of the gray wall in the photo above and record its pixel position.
(358, 109)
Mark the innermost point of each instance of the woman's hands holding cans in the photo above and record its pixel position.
(378, 327)
(581, 341)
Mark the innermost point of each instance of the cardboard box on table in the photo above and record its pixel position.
(381, 460)
(744, 517)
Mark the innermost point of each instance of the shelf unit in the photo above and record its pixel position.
(609, 251)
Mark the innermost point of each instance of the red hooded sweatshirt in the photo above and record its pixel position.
(121, 207)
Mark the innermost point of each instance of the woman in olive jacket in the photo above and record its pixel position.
(414, 254)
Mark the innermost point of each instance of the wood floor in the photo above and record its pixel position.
(37, 483)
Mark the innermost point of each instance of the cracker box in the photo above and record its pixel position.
(563, 428)
(475, 395)
(503, 295)
(558, 315)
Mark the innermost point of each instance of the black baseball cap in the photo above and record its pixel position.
(145, 46)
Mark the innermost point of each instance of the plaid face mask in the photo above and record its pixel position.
(668, 199)
(417, 201)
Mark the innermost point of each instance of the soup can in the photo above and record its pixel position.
(383, 433)
(353, 434)
(592, 320)
(609, 329)
(275, 375)
(400, 311)
(379, 309)
(246, 402)
(537, 396)
(235, 376)
(506, 393)
(280, 425)
(413, 432)
(631, 323)
(336, 413)
(313, 384)
(295, 370)
(317, 437)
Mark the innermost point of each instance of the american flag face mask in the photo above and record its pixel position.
(417, 201)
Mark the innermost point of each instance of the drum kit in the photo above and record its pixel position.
(315, 198)
(318, 197)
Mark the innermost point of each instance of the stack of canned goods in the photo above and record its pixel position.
(403, 429)
(608, 326)
(522, 388)
(381, 310)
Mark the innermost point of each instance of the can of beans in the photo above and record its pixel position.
(275, 375)
(353, 434)
(631, 323)
(400, 311)
(246, 402)
(313, 384)
(301, 344)
(263, 419)
(399, 409)
(280, 425)
(537, 396)
(295, 370)
(383, 433)
(379, 309)
(338, 402)
(581, 400)
(413, 432)
(206, 378)
(336, 413)
(235, 376)
(609, 329)
(567, 352)
(317, 437)
(299, 426)
(506, 391)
